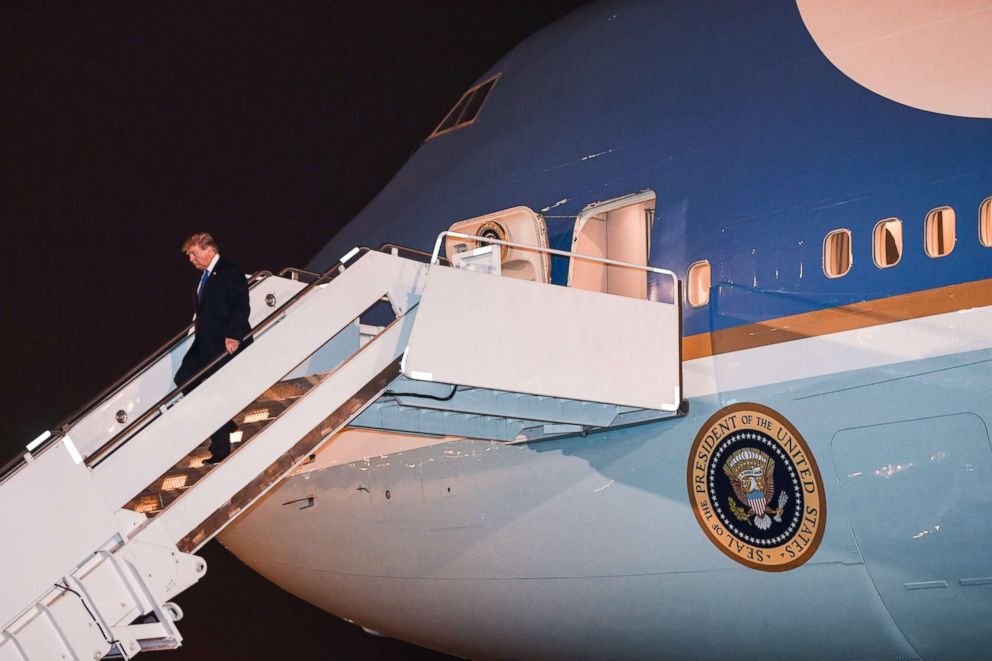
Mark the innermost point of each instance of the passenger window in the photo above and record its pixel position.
(985, 222)
(697, 291)
(620, 230)
(837, 253)
(939, 232)
(887, 243)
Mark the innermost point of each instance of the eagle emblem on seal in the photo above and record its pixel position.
(755, 488)
(752, 475)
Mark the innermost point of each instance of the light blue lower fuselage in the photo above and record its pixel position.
(587, 547)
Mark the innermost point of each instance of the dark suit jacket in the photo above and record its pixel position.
(221, 312)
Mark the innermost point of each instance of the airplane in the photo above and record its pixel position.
(759, 422)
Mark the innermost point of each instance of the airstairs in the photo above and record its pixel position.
(103, 517)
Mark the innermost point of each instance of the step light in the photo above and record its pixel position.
(197, 457)
(148, 503)
(287, 390)
(256, 415)
(174, 483)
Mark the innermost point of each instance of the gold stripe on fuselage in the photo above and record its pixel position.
(879, 311)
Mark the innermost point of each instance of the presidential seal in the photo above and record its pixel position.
(492, 230)
(755, 488)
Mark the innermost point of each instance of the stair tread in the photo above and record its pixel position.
(252, 419)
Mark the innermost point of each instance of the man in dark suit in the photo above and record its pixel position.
(222, 307)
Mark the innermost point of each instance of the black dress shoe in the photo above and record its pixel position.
(215, 460)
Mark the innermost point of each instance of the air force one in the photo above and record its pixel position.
(677, 344)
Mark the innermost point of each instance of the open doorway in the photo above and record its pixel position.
(620, 230)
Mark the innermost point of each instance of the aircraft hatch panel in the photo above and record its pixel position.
(915, 491)
(104, 517)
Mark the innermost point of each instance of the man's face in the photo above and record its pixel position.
(200, 257)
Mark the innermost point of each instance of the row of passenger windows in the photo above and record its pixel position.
(939, 237)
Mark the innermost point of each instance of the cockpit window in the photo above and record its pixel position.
(467, 108)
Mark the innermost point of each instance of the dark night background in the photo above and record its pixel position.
(125, 127)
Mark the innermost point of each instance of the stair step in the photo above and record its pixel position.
(190, 469)
(194, 459)
(181, 478)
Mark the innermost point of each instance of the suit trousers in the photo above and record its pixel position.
(220, 440)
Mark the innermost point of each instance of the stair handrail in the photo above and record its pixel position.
(141, 367)
(396, 250)
(294, 273)
(61, 430)
(121, 437)
(49, 437)
(435, 256)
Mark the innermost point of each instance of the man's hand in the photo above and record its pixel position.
(231, 345)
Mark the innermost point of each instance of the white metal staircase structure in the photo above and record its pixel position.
(89, 572)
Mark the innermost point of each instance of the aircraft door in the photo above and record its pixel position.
(918, 497)
(620, 230)
(517, 225)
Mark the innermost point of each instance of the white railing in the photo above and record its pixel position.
(435, 256)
